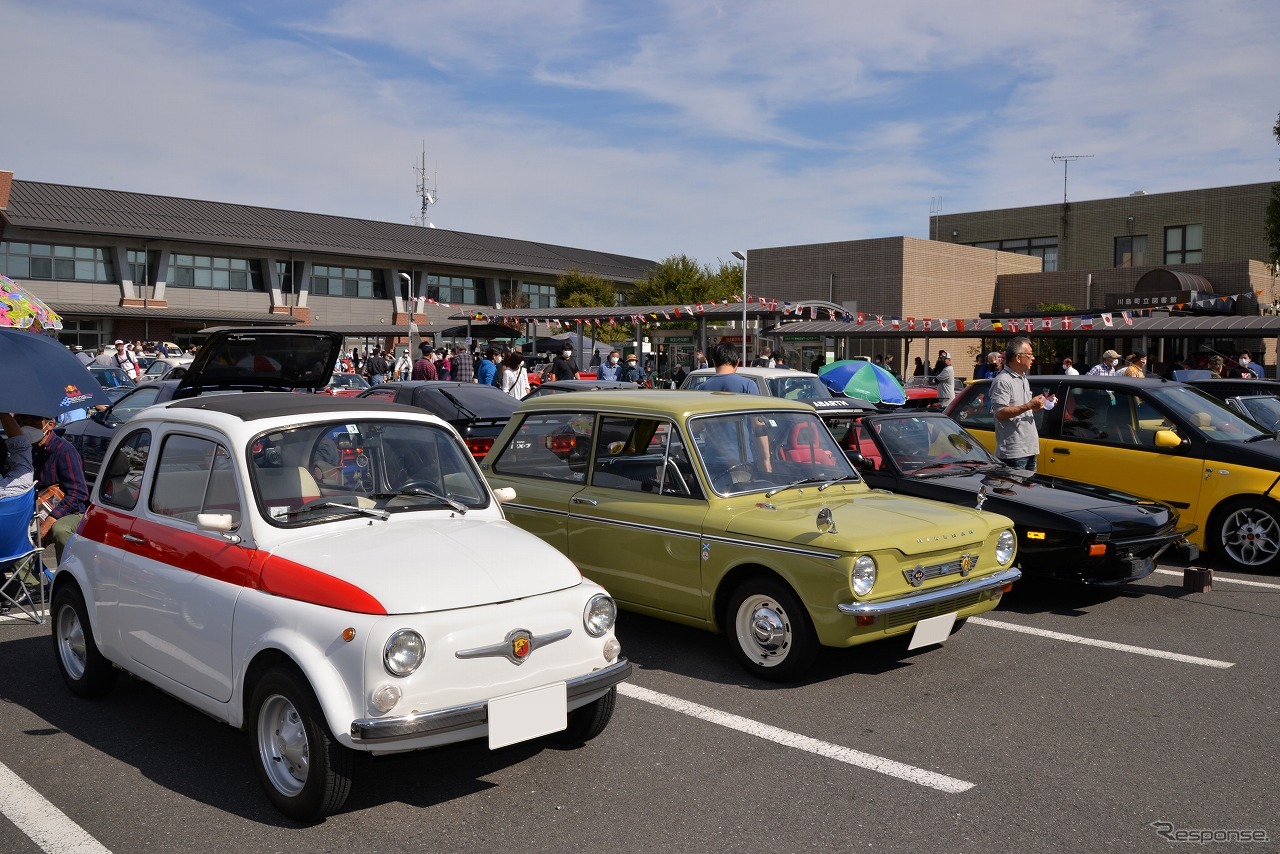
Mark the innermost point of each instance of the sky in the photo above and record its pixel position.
(647, 129)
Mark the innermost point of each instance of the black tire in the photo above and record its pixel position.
(304, 771)
(589, 721)
(83, 667)
(769, 630)
(1245, 532)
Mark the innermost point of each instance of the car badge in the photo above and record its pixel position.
(914, 576)
(521, 646)
(967, 563)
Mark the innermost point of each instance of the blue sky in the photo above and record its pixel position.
(644, 129)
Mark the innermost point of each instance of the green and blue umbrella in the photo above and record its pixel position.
(864, 380)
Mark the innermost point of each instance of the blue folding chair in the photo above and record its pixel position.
(16, 548)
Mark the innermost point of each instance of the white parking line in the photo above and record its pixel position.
(1225, 579)
(787, 738)
(1122, 647)
(45, 824)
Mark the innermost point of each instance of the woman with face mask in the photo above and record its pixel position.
(610, 367)
(563, 367)
(15, 468)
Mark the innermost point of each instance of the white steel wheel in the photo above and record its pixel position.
(770, 630)
(84, 669)
(283, 745)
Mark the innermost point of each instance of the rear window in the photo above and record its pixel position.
(466, 401)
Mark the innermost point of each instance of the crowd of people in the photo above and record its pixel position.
(1135, 364)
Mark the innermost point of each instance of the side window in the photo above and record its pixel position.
(555, 446)
(975, 411)
(642, 455)
(387, 396)
(194, 476)
(122, 475)
(1106, 416)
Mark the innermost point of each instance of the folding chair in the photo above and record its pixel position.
(16, 548)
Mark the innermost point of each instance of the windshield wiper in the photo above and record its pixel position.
(336, 505)
(833, 481)
(976, 464)
(418, 491)
(825, 481)
(458, 403)
(1262, 437)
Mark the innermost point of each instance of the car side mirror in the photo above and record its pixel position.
(99, 415)
(860, 462)
(215, 521)
(1167, 439)
(504, 494)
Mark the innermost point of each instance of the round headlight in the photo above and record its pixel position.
(403, 652)
(599, 615)
(1005, 546)
(863, 577)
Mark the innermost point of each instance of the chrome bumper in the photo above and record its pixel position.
(932, 597)
(473, 714)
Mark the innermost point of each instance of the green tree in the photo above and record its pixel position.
(584, 289)
(677, 280)
(1272, 223)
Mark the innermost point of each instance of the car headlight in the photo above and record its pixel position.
(599, 615)
(1004, 546)
(403, 652)
(863, 577)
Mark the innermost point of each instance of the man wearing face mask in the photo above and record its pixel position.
(632, 372)
(1107, 367)
(1249, 369)
(563, 367)
(609, 368)
(57, 463)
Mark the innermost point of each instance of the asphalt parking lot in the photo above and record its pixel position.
(1139, 719)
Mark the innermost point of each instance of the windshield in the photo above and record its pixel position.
(920, 442)
(1206, 414)
(799, 388)
(1264, 410)
(329, 471)
(347, 381)
(754, 451)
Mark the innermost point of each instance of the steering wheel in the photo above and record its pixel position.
(425, 485)
(726, 478)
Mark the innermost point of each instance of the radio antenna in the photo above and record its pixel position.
(427, 192)
(1065, 159)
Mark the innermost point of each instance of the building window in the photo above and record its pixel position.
(214, 273)
(347, 282)
(1044, 248)
(87, 333)
(1131, 251)
(1184, 244)
(451, 289)
(52, 261)
(540, 296)
(139, 270)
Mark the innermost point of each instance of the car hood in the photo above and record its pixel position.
(411, 567)
(262, 359)
(1026, 497)
(866, 521)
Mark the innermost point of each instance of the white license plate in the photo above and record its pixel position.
(933, 630)
(529, 714)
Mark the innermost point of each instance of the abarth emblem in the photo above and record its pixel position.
(520, 646)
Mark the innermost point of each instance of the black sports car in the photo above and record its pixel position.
(477, 412)
(563, 386)
(1066, 530)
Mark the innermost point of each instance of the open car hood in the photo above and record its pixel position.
(262, 359)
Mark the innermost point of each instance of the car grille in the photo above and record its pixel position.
(905, 618)
(919, 574)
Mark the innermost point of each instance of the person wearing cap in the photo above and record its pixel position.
(1108, 367)
(946, 378)
(1137, 366)
(56, 463)
(425, 367)
(631, 372)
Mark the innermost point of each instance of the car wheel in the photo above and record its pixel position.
(304, 771)
(1247, 531)
(770, 631)
(587, 722)
(83, 667)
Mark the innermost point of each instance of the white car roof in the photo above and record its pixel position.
(766, 373)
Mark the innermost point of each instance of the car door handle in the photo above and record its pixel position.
(579, 500)
(1066, 451)
(134, 538)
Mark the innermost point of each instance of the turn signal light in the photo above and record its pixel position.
(866, 620)
(1097, 549)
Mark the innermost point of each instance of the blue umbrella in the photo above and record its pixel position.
(862, 379)
(44, 377)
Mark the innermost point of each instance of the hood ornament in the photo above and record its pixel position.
(982, 496)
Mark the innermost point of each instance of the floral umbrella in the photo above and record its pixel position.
(24, 310)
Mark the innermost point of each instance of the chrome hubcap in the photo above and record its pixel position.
(763, 630)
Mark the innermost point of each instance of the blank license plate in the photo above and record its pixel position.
(529, 714)
(933, 630)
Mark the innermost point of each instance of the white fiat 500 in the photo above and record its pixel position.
(331, 575)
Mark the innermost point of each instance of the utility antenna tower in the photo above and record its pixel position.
(1066, 159)
(426, 192)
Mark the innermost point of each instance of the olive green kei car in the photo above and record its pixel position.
(740, 514)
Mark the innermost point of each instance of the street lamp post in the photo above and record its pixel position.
(742, 256)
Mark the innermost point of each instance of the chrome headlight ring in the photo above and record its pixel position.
(403, 652)
(600, 615)
(863, 576)
(1006, 544)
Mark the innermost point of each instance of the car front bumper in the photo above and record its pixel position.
(383, 731)
(931, 599)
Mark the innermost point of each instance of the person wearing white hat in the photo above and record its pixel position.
(1107, 367)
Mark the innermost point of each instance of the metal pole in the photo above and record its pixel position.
(742, 256)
